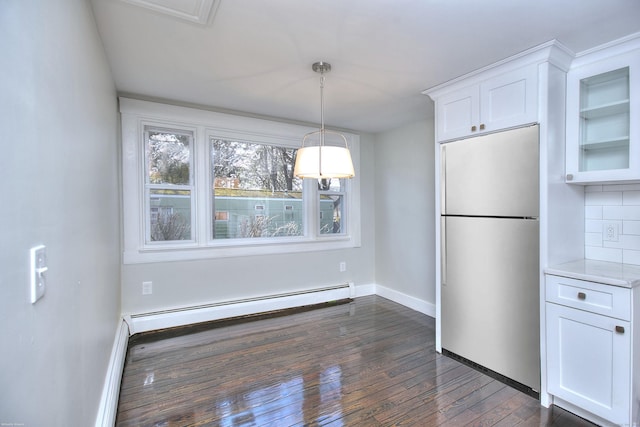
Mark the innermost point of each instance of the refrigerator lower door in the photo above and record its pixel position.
(490, 295)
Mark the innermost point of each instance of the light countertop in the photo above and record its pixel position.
(609, 273)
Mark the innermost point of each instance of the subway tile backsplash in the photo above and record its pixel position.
(612, 223)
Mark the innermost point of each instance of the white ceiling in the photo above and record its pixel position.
(255, 56)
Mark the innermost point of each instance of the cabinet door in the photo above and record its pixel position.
(589, 361)
(504, 101)
(602, 130)
(509, 100)
(457, 113)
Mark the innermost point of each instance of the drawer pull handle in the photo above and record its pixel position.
(473, 128)
(620, 329)
(582, 295)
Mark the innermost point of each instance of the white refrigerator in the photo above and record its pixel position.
(490, 253)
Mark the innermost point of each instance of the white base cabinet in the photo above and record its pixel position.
(589, 342)
(589, 361)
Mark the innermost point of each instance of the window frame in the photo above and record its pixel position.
(138, 114)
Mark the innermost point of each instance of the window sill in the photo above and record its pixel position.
(151, 255)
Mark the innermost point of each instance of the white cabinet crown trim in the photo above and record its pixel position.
(552, 52)
(613, 48)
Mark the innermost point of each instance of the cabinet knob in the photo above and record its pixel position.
(473, 128)
(569, 177)
(582, 295)
(620, 329)
(482, 126)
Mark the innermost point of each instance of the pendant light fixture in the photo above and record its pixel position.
(323, 161)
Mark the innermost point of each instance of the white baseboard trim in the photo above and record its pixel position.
(108, 408)
(364, 290)
(413, 303)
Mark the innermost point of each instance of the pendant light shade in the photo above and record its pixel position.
(323, 161)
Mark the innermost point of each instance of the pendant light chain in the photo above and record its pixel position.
(321, 120)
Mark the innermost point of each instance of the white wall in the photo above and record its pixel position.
(190, 283)
(404, 186)
(59, 175)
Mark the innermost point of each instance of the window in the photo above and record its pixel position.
(168, 185)
(221, 216)
(289, 213)
(262, 177)
(199, 184)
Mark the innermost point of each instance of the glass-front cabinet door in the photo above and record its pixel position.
(602, 121)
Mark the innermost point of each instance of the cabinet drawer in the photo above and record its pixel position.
(597, 298)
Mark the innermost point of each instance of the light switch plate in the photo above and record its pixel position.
(147, 288)
(38, 268)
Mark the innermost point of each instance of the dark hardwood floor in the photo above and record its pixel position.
(370, 362)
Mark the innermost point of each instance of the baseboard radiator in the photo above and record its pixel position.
(181, 316)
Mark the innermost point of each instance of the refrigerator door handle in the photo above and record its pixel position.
(443, 179)
(443, 251)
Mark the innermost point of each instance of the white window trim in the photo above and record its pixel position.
(135, 114)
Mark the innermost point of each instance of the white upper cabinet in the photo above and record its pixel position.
(509, 100)
(499, 102)
(458, 113)
(603, 120)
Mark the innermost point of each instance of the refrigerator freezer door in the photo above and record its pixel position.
(490, 310)
(492, 175)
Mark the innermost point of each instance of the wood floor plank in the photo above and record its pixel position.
(370, 362)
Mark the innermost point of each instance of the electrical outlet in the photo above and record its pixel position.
(343, 266)
(610, 232)
(147, 288)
